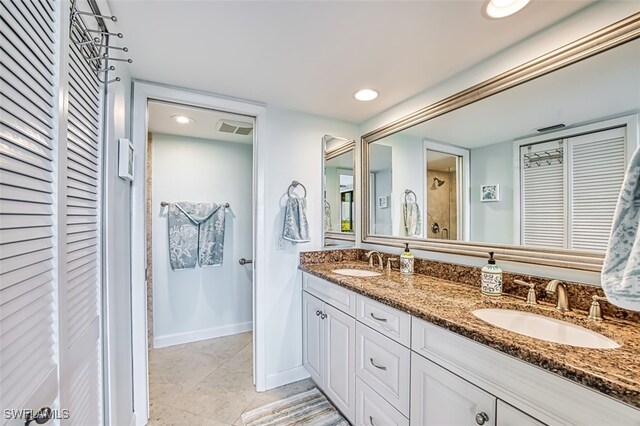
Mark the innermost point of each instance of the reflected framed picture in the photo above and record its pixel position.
(383, 202)
(489, 193)
(125, 158)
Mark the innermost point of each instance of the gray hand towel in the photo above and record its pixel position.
(411, 217)
(621, 270)
(296, 227)
(196, 234)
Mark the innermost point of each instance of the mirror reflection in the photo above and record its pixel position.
(540, 164)
(339, 206)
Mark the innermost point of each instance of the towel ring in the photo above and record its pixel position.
(407, 193)
(293, 185)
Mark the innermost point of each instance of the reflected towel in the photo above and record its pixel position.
(327, 216)
(411, 218)
(296, 227)
(621, 269)
(196, 234)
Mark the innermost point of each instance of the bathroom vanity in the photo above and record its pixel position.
(396, 350)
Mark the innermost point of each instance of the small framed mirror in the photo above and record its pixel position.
(339, 220)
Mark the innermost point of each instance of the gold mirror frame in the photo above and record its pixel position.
(349, 145)
(600, 41)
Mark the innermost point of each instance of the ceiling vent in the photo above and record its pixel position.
(235, 127)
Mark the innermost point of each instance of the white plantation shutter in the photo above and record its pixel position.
(28, 308)
(596, 175)
(543, 199)
(81, 367)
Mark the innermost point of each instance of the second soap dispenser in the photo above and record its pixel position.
(491, 278)
(406, 261)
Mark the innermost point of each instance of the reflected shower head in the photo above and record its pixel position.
(437, 182)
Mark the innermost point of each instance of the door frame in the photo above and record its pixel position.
(142, 92)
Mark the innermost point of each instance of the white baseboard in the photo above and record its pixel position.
(286, 377)
(194, 336)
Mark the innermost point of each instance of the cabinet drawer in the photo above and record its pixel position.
(333, 294)
(383, 364)
(372, 409)
(388, 321)
(511, 416)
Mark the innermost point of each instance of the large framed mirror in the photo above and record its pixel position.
(339, 220)
(528, 164)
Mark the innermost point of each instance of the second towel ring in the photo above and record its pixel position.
(407, 193)
(295, 184)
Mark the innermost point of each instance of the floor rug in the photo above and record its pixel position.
(309, 408)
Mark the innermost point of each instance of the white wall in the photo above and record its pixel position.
(492, 222)
(581, 24)
(200, 303)
(293, 151)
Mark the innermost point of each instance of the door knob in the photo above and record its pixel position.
(244, 261)
(41, 417)
(481, 418)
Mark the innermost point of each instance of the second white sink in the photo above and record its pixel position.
(356, 272)
(544, 328)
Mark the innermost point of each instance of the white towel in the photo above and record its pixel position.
(621, 270)
(411, 218)
(296, 227)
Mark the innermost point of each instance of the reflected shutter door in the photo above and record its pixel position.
(543, 200)
(28, 360)
(81, 367)
(596, 175)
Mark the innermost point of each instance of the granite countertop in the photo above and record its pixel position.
(614, 372)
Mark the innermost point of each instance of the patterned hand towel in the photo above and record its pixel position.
(621, 270)
(296, 227)
(411, 217)
(196, 234)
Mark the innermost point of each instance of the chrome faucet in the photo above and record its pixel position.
(370, 257)
(556, 287)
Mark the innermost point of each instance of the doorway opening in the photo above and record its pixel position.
(199, 247)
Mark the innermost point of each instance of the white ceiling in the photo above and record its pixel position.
(312, 56)
(204, 127)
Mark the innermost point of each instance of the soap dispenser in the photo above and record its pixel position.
(491, 278)
(406, 261)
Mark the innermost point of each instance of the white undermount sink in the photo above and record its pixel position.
(544, 328)
(357, 272)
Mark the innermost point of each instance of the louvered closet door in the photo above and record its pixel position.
(28, 360)
(543, 199)
(81, 383)
(596, 174)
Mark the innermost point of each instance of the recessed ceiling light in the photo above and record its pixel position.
(366, 95)
(503, 8)
(183, 119)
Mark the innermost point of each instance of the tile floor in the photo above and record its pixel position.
(208, 383)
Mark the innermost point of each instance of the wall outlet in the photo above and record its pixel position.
(280, 244)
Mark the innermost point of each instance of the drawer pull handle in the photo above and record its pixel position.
(378, 319)
(482, 418)
(371, 421)
(318, 313)
(376, 365)
(323, 316)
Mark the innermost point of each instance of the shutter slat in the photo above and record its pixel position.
(25, 182)
(16, 193)
(12, 278)
(19, 207)
(23, 247)
(11, 293)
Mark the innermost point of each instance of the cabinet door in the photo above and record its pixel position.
(439, 397)
(312, 337)
(340, 358)
(511, 416)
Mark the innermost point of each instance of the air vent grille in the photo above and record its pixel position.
(235, 127)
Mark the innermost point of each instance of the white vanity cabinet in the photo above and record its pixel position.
(439, 397)
(380, 366)
(328, 351)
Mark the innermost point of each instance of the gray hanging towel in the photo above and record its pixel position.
(621, 269)
(411, 218)
(196, 234)
(296, 227)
